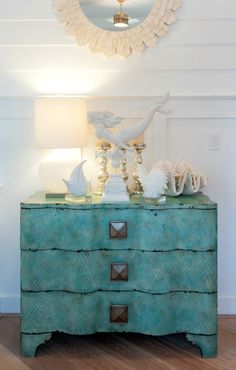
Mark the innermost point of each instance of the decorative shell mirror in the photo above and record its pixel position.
(118, 27)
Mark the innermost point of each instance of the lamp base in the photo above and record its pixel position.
(115, 190)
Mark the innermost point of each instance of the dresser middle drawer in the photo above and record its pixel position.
(83, 272)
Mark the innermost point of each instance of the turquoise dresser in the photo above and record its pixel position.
(136, 267)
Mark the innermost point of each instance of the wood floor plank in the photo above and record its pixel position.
(9, 361)
(116, 351)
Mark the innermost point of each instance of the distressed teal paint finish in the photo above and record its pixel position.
(148, 313)
(29, 343)
(65, 269)
(207, 343)
(198, 200)
(148, 271)
(158, 229)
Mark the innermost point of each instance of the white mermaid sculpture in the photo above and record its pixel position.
(103, 122)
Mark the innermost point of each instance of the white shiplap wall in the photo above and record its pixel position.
(36, 57)
(196, 62)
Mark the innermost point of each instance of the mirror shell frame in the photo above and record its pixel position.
(123, 43)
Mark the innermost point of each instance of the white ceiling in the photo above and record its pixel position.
(101, 12)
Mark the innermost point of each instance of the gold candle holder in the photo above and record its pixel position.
(101, 149)
(123, 167)
(137, 188)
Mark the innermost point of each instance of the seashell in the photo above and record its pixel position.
(154, 182)
(77, 183)
(182, 178)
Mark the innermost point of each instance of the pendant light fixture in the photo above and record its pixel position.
(121, 19)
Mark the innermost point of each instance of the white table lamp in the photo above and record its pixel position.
(60, 124)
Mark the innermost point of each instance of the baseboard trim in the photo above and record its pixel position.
(227, 305)
(11, 304)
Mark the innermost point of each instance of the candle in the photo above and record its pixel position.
(138, 140)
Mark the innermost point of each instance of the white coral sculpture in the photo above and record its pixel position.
(154, 182)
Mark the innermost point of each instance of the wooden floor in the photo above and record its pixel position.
(116, 351)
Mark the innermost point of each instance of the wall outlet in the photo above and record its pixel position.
(214, 141)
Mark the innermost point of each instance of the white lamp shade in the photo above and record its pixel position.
(60, 123)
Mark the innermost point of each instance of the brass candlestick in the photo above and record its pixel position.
(137, 188)
(101, 149)
(123, 166)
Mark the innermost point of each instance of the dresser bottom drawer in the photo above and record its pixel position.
(156, 314)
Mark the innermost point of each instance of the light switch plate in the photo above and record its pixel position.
(214, 141)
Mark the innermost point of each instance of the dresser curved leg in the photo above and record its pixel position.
(30, 343)
(207, 344)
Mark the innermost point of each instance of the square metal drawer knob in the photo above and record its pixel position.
(119, 271)
(119, 314)
(118, 230)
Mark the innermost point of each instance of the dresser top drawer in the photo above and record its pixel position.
(185, 222)
(145, 229)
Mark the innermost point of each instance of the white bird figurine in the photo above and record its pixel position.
(77, 183)
(105, 120)
(154, 182)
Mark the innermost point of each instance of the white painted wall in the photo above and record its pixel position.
(196, 63)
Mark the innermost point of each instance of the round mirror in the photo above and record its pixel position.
(95, 23)
(116, 15)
